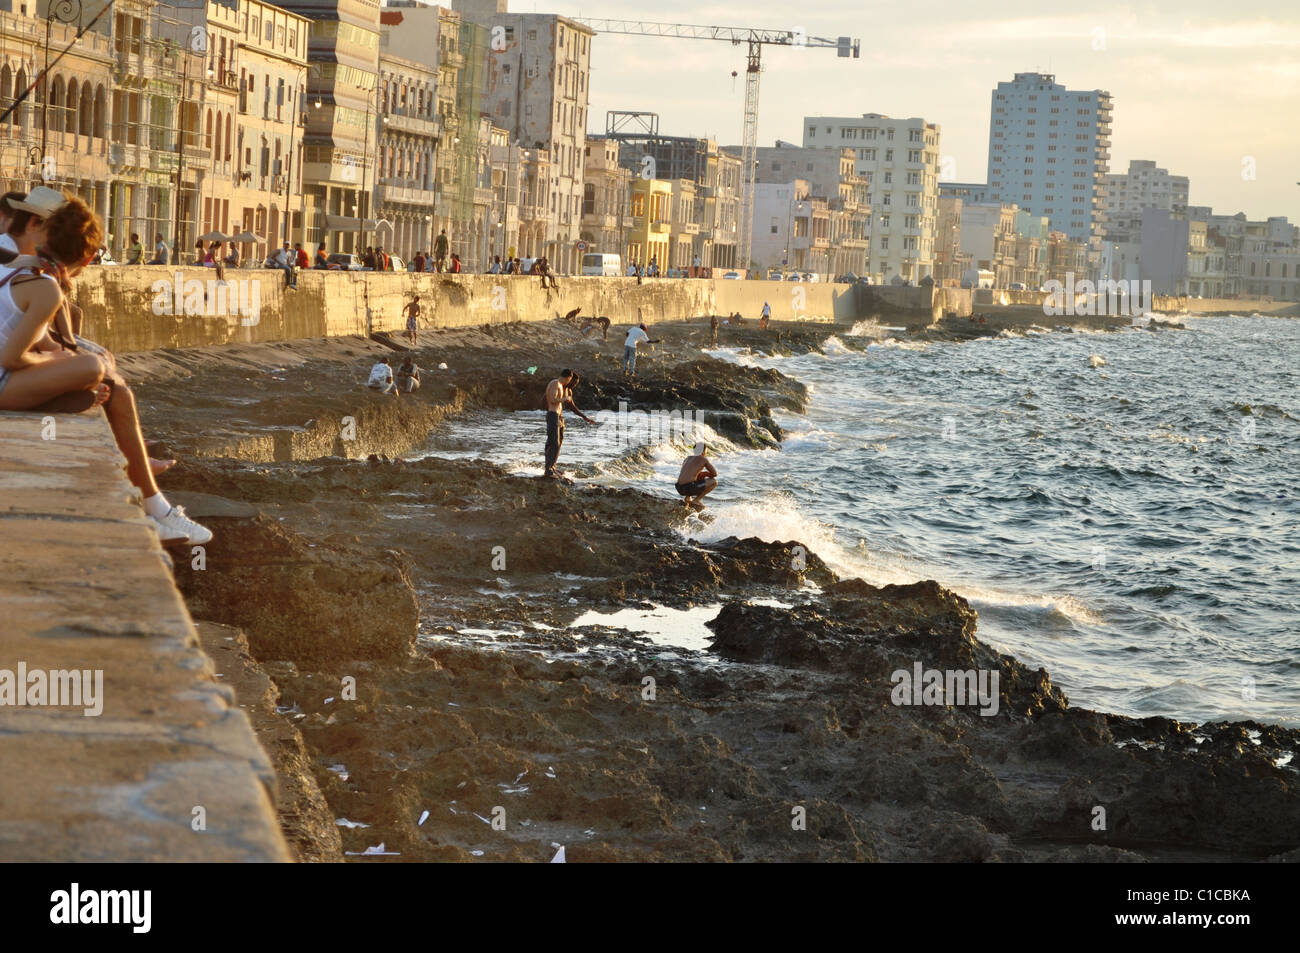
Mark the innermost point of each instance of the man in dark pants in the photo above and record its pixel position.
(558, 393)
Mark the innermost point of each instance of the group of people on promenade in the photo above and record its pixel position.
(46, 365)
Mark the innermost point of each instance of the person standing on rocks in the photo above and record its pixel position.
(412, 312)
(690, 484)
(634, 337)
(767, 316)
(713, 330)
(558, 393)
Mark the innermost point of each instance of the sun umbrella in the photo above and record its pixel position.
(214, 237)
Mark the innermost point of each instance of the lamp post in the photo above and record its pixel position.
(372, 111)
(65, 11)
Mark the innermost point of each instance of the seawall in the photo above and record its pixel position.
(168, 768)
(143, 308)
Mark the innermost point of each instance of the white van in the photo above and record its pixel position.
(601, 265)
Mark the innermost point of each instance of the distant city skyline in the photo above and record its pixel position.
(1201, 94)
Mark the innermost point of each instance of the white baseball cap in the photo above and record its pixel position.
(41, 201)
(700, 448)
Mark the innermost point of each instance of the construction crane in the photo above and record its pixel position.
(756, 40)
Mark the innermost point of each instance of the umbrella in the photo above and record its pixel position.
(245, 236)
(214, 236)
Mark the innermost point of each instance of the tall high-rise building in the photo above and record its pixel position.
(1049, 151)
(535, 84)
(899, 158)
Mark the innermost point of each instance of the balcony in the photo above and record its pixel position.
(409, 122)
(659, 228)
(404, 195)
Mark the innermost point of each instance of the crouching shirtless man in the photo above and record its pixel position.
(697, 478)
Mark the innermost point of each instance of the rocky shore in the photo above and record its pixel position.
(404, 635)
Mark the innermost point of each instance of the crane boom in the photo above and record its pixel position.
(732, 34)
(755, 39)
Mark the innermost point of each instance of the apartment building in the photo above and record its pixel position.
(1144, 186)
(988, 236)
(254, 123)
(833, 182)
(409, 132)
(341, 140)
(62, 134)
(950, 262)
(605, 198)
(1049, 151)
(899, 159)
(536, 85)
(651, 229)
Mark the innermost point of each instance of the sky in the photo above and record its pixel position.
(1210, 90)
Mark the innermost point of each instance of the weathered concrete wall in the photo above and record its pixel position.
(84, 587)
(142, 308)
(1168, 304)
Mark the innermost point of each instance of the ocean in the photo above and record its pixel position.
(1122, 509)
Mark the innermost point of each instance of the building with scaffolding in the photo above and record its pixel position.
(715, 172)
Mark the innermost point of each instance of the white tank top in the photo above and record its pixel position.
(10, 313)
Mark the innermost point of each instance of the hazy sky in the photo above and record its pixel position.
(1210, 90)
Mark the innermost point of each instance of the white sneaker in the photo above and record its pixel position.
(177, 526)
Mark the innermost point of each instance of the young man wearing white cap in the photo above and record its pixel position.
(697, 478)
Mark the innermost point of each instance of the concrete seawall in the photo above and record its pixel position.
(143, 308)
(169, 769)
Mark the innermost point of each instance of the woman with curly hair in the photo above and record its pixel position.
(42, 359)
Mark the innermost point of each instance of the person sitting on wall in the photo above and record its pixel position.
(159, 251)
(418, 262)
(496, 266)
(455, 267)
(368, 259)
(322, 261)
(43, 363)
(300, 254)
(135, 252)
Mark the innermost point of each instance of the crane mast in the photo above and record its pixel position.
(755, 39)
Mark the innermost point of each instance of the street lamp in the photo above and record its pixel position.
(65, 11)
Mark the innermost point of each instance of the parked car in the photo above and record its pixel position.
(398, 264)
(731, 276)
(342, 262)
(812, 276)
(846, 279)
(1018, 286)
(775, 276)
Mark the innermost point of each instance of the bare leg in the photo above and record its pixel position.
(124, 419)
(32, 386)
(709, 486)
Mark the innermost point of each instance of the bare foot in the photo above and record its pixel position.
(157, 467)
